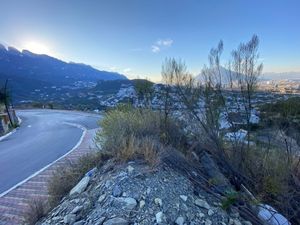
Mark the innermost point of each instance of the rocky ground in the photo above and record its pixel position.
(134, 193)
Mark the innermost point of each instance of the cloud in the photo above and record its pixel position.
(166, 42)
(155, 49)
(161, 44)
(127, 70)
(113, 68)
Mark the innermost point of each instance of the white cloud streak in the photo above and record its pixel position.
(155, 49)
(161, 44)
(166, 42)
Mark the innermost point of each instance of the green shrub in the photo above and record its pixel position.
(230, 199)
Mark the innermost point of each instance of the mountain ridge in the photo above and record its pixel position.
(42, 67)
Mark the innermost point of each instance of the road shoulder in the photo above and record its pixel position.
(14, 202)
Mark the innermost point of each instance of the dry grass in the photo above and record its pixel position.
(151, 151)
(120, 124)
(66, 177)
(269, 170)
(62, 181)
(37, 209)
(146, 149)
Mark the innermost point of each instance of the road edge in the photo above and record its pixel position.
(11, 132)
(50, 164)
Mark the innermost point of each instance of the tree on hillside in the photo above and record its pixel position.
(179, 87)
(144, 90)
(172, 70)
(246, 70)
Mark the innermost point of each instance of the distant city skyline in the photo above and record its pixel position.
(134, 37)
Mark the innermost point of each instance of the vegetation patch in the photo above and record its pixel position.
(66, 177)
(37, 209)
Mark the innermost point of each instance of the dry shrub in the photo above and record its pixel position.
(37, 209)
(66, 177)
(128, 149)
(62, 181)
(146, 149)
(268, 169)
(130, 133)
(151, 151)
(120, 124)
(270, 175)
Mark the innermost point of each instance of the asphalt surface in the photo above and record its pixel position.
(44, 136)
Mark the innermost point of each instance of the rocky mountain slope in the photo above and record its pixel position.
(134, 193)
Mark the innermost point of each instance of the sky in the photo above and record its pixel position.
(134, 37)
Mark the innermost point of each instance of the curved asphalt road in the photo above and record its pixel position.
(42, 138)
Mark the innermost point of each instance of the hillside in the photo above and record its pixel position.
(27, 72)
(134, 193)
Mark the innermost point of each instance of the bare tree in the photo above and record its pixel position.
(168, 76)
(205, 99)
(201, 102)
(246, 70)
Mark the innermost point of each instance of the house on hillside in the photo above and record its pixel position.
(238, 119)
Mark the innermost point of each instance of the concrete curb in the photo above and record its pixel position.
(8, 134)
(13, 131)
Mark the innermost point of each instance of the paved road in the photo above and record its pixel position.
(43, 137)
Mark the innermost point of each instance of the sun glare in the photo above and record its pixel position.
(37, 47)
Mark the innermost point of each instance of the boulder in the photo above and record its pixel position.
(70, 219)
(125, 203)
(101, 198)
(271, 217)
(183, 197)
(81, 222)
(158, 201)
(116, 221)
(202, 203)
(180, 220)
(117, 192)
(160, 218)
(81, 186)
(77, 209)
(222, 184)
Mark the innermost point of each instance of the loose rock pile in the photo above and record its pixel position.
(135, 194)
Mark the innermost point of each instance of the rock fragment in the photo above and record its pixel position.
(202, 203)
(81, 186)
(116, 221)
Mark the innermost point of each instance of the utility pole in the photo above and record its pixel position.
(6, 103)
